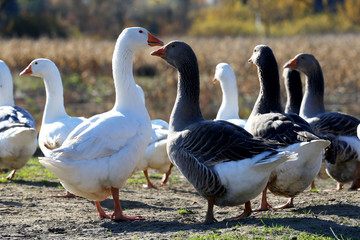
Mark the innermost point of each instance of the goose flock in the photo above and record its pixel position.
(228, 160)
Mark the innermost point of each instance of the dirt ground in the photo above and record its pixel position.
(27, 211)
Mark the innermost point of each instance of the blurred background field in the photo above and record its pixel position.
(79, 36)
(85, 66)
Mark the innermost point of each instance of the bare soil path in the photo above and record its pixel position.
(27, 211)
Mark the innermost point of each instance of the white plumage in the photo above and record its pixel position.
(102, 152)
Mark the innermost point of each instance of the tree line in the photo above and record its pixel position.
(105, 19)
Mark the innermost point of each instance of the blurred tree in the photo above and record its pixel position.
(318, 6)
(351, 11)
(230, 17)
(3, 4)
(105, 19)
(267, 12)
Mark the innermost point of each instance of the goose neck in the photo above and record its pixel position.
(229, 108)
(269, 99)
(127, 96)
(293, 95)
(313, 101)
(6, 89)
(186, 108)
(54, 105)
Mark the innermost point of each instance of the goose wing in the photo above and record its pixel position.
(15, 116)
(100, 136)
(335, 123)
(213, 142)
(284, 128)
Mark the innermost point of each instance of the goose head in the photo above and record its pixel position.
(262, 55)
(177, 54)
(139, 38)
(224, 73)
(303, 62)
(39, 67)
(6, 85)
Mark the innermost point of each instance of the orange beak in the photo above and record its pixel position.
(291, 64)
(160, 52)
(214, 81)
(27, 71)
(154, 41)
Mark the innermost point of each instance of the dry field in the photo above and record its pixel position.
(86, 68)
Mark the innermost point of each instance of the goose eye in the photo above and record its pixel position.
(141, 31)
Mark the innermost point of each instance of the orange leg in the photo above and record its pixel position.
(101, 212)
(118, 214)
(247, 212)
(264, 205)
(166, 176)
(312, 186)
(210, 211)
(11, 175)
(149, 184)
(289, 204)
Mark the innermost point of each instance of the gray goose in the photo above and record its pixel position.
(343, 158)
(225, 163)
(268, 120)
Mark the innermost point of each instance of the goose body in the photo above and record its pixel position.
(268, 120)
(343, 158)
(18, 136)
(155, 155)
(56, 123)
(99, 155)
(229, 108)
(225, 163)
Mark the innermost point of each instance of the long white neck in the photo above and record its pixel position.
(229, 108)
(54, 106)
(6, 88)
(127, 95)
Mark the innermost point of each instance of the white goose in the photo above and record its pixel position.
(155, 155)
(102, 152)
(56, 123)
(229, 109)
(18, 136)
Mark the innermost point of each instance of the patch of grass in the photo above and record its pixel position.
(184, 211)
(33, 171)
(174, 179)
(137, 179)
